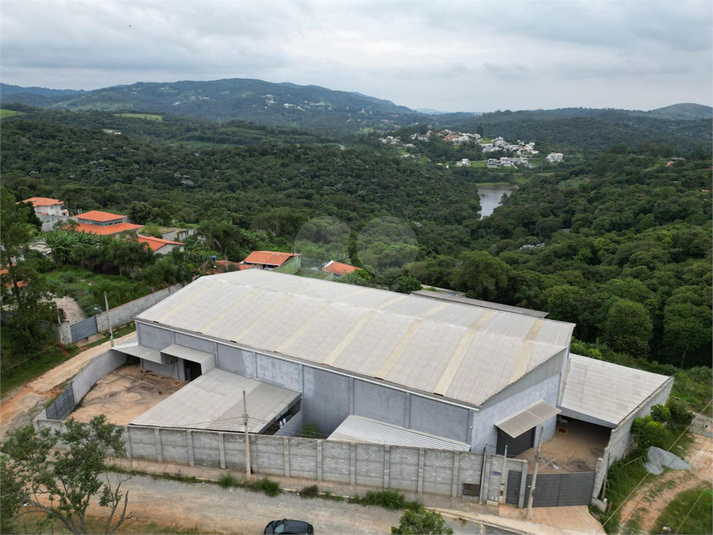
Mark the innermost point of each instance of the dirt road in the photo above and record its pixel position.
(216, 510)
(647, 503)
(23, 403)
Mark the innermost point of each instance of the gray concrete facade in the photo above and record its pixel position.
(329, 396)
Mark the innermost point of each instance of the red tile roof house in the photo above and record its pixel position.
(46, 206)
(104, 223)
(159, 245)
(283, 262)
(337, 269)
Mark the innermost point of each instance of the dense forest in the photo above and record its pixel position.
(617, 241)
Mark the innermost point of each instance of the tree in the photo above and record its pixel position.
(687, 329)
(481, 276)
(140, 212)
(422, 522)
(628, 328)
(61, 482)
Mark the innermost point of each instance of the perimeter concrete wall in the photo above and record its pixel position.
(125, 313)
(413, 469)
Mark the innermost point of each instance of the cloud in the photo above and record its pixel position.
(447, 55)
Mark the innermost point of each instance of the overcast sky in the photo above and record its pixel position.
(450, 56)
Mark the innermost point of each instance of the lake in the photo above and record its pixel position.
(490, 195)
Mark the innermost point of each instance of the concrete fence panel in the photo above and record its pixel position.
(336, 461)
(128, 311)
(438, 472)
(369, 468)
(403, 468)
(303, 457)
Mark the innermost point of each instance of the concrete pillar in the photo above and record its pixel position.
(351, 395)
(352, 463)
(523, 486)
(387, 465)
(286, 454)
(157, 440)
(189, 446)
(221, 447)
(252, 440)
(455, 474)
(129, 453)
(407, 412)
(421, 465)
(319, 461)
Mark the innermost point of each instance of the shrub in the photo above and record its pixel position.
(269, 487)
(422, 521)
(388, 499)
(310, 492)
(679, 413)
(647, 432)
(660, 413)
(310, 430)
(227, 481)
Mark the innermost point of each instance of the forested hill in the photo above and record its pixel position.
(582, 128)
(288, 105)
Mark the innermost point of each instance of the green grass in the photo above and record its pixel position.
(693, 386)
(95, 524)
(9, 113)
(479, 163)
(147, 116)
(689, 512)
(623, 477)
(88, 288)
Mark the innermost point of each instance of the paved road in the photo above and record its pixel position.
(214, 509)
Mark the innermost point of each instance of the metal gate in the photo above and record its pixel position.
(63, 405)
(512, 493)
(560, 490)
(84, 329)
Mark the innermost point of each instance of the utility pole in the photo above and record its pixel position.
(247, 438)
(534, 474)
(108, 319)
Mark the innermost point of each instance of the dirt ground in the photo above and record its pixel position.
(576, 519)
(23, 403)
(574, 450)
(72, 312)
(125, 394)
(646, 504)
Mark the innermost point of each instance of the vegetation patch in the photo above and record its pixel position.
(388, 499)
(9, 113)
(147, 116)
(689, 512)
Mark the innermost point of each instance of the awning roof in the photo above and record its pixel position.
(141, 352)
(186, 353)
(215, 401)
(529, 417)
(604, 393)
(360, 429)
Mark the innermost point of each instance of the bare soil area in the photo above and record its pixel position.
(72, 311)
(125, 394)
(24, 403)
(652, 497)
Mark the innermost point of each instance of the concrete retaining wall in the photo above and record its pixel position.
(125, 313)
(419, 470)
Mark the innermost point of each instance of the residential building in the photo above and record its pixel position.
(285, 262)
(159, 245)
(45, 206)
(555, 157)
(104, 223)
(338, 269)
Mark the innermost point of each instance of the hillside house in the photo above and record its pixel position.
(159, 245)
(338, 269)
(104, 223)
(274, 260)
(45, 206)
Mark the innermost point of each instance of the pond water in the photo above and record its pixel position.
(490, 195)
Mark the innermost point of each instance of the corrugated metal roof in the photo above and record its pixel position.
(529, 417)
(462, 352)
(215, 401)
(360, 429)
(606, 391)
(186, 353)
(443, 296)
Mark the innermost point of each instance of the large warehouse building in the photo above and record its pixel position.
(362, 363)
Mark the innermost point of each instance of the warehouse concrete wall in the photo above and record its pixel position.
(379, 403)
(431, 416)
(128, 311)
(232, 359)
(326, 399)
(414, 469)
(153, 337)
(484, 432)
(293, 427)
(171, 368)
(195, 343)
(97, 368)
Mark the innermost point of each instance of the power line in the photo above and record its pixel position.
(691, 509)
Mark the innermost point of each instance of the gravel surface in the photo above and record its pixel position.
(72, 312)
(216, 510)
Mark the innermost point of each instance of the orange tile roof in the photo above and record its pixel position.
(100, 217)
(339, 269)
(268, 258)
(156, 243)
(106, 230)
(42, 201)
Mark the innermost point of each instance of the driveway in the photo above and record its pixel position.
(216, 510)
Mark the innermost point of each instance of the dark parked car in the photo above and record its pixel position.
(289, 526)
